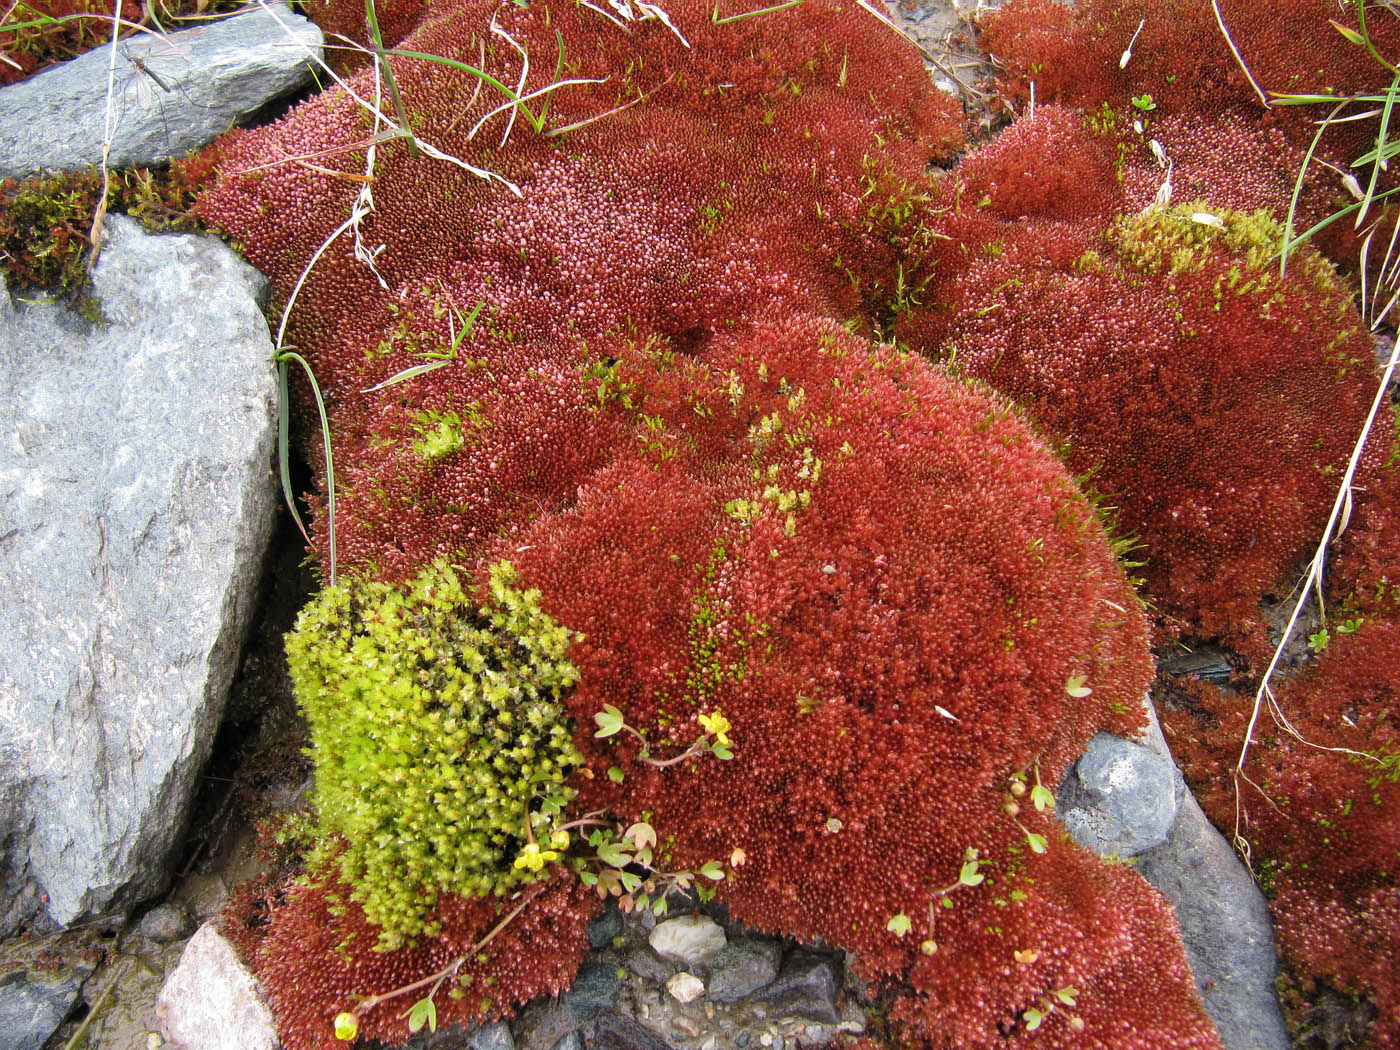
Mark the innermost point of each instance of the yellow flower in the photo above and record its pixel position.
(717, 725)
(347, 1026)
(533, 858)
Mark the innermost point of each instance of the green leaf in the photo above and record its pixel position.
(1066, 995)
(614, 854)
(658, 906)
(722, 752)
(610, 721)
(1075, 687)
(1037, 842)
(1351, 34)
(423, 1012)
(1042, 797)
(640, 835)
(1032, 1019)
(899, 925)
(969, 875)
(588, 878)
(615, 774)
(631, 883)
(713, 870)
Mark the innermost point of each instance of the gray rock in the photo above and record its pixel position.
(31, 1010)
(543, 1023)
(690, 940)
(606, 927)
(805, 987)
(649, 966)
(1120, 797)
(188, 88)
(746, 965)
(1223, 917)
(615, 1031)
(136, 505)
(167, 922)
(572, 1041)
(211, 1002)
(493, 1036)
(594, 989)
(1225, 927)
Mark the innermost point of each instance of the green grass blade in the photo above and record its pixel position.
(284, 428)
(1289, 244)
(372, 19)
(1288, 241)
(715, 17)
(282, 359)
(1380, 150)
(482, 75)
(1371, 44)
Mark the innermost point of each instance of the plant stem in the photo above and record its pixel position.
(437, 978)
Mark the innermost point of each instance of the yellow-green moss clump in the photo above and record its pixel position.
(437, 732)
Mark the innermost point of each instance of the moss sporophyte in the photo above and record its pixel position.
(440, 744)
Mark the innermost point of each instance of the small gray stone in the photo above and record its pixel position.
(1120, 798)
(690, 940)
(649, 966)
(215, 75)
(543, 1023)
(572, 1041)
(615, 1031)
(167, 922)
(211, 1002)
(30, 1010)
(603, 930)
(493, 1036)
(595, 988)
(746, 965)
(805, 987)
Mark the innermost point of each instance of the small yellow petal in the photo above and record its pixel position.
(347, 1026)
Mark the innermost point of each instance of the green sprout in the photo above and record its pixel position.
(715, 738)
(1060, 997)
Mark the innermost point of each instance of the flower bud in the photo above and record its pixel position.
(347, 1026)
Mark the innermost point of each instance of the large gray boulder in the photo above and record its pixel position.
(136, 506)
(171, 94)
(1128, 799)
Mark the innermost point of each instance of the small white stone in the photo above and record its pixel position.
(691, 940)
(210, 1001)
(154, 1041)
(685, 987)
(766, 1039)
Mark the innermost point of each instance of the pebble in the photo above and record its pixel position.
(167, 923)
(493, 1036)
(684, 1024)
(691, 940)
(685, 987)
